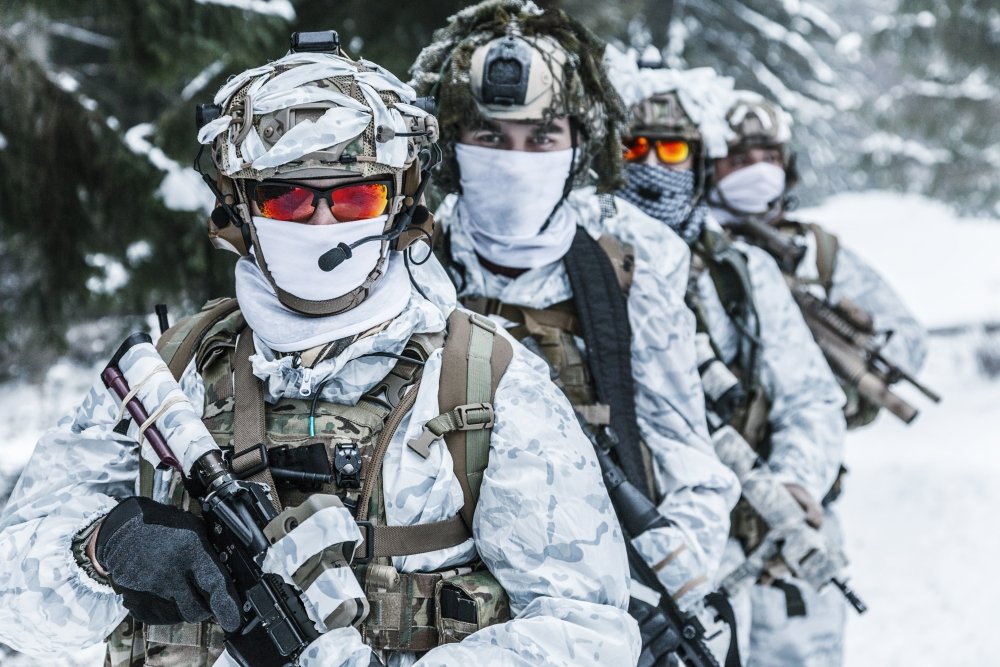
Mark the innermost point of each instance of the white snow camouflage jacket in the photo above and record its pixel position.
(544, 525)
(806, 418)
(855, 279)
(697, 491)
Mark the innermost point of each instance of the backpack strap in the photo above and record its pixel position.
(827, 247)
(474, 359)
(179, 344)
(602, 308)
(249, 460)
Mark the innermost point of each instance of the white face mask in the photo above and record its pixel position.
(292, 251)
(508, 196)
(753, 190)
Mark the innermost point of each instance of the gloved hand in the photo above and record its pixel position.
(160, 561)
(315, 557)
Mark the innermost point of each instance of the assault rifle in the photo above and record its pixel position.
(844, 332)
(806, 552)
(785, 251)
(852, 349)
(276, 627)
(666, 629)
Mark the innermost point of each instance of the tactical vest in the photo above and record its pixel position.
(727, 267)
(750, 413)
(408, 611)
(554, 330)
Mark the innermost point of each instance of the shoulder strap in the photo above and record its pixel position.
(179, 344)
(474, 359)
(249, 441)
(730, 274)
(827, 247)
(603, 312)
(622, 256)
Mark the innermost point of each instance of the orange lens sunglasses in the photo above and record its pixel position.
(669, 151)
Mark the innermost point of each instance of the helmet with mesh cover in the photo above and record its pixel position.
(507, 60)
(317, 115)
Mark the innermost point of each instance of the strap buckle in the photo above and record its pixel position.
(368, 539)
(469, 418)
(243, 473)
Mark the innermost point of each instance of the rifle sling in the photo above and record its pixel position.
(602, 309)
(249, 441)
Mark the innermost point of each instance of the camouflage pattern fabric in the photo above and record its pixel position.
(697, 492)
(769, 637)
(544, 525)
(807, 425)
(807, 447)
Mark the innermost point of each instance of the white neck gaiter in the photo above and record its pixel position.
(507, 196)
(283, 330)
(752, 191)
(292, 251)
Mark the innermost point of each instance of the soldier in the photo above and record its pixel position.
(591, 283)
(329, 358)
(782, 397)
(752, 185)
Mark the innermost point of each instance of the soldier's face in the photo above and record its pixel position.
(531, 137)
(738, 159)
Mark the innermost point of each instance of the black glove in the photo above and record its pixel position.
(160, 561)
(659, 639)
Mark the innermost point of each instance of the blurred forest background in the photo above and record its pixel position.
(101, 215)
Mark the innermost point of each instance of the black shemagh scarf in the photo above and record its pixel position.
(666, 195)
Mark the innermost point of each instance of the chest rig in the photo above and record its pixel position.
(554, 332)
(303, 446)
(734, 394)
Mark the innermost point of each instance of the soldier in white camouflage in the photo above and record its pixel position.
(784, 400)
(753, 182)
(332, 351)
(525, 111)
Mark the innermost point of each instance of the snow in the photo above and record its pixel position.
(204, 77)
(182, 188)
(115, 275)
(882, 146)
(280, 8)
(944, 267)
(3, 141)
(919, 511)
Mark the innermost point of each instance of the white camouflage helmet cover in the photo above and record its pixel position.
(704, 97)
(311, 114)
(316, 115)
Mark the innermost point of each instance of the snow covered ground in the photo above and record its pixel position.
(921, 501)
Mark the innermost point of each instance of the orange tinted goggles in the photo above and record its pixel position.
(297, 203)
(669, 151)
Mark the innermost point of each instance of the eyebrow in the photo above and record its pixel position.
(489, 125)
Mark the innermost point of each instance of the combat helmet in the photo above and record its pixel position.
(316, 113)
(759, 123)
(509, 60)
